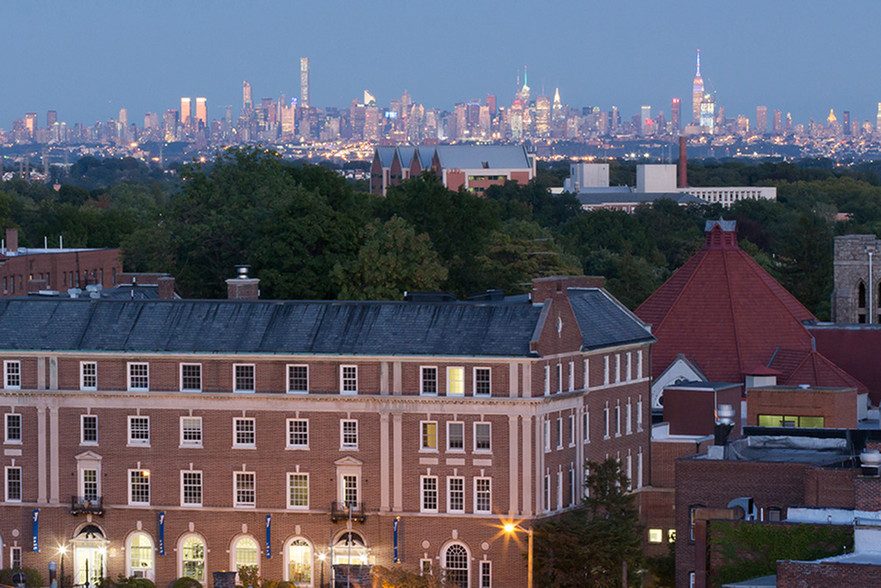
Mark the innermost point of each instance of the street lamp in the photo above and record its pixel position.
(510, 529)
(62, 549)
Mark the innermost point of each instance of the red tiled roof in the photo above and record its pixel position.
(816, 370)
(724, 311)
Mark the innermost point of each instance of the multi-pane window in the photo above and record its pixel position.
(349, 379)
(571, 376)
(243, 376)
(349, 434)
(587, 374)
(193, 558)
(191, 377)
(639, 364)
(606, 373)
(12, 374)
(482, 436)
(559, 377)
(456, 566)
(89, 429)
(486, 574)
(245, 489)
(547, 380)
(247, 554)
(571, 430)
(350, 490)
(482, 382)
(244, 432)
(138, 376)
(90, 484)
(429, 494)
(585, 418)
(559, 433)
(546, 429)
(547, 492)
(618, 419)
(455, 494)
(456, 436)
(482, 495)
(298, 490)
(15, 557)
(428, 436)
(298, 378)
(606, 421)
(88, 375)
(628, 416)
(455, 381)
(639, 414)
(138, 487)
(13, 484)
(298, 434)
(428, 380)
(191, 431)
(571, 486)
(191, 488)
(13, 427)
(138, 430)
(140, 555)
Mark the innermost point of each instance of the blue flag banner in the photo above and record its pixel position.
(36, 530)
(268, 536)
(395, 523)
(161, 533)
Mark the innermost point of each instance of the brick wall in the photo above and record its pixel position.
(797, 574)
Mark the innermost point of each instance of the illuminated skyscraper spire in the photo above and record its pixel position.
(697, 92)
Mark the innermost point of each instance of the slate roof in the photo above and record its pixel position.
(618, 197)
(473, 156)
(386, 154)
(729, 315)
(601, 320)
(296, 327)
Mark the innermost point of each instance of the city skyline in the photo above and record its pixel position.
(87, 67)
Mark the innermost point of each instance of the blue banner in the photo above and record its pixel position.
(36, 530)
(269, 536)
(161, 533)
(395, 523)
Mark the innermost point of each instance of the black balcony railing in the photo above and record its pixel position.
(342, 512)
(91, 505)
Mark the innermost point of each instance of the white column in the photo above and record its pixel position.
(526, 470)
(384, 473)
(513, 478)
(397, 440)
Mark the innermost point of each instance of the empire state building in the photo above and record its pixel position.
(697, 92)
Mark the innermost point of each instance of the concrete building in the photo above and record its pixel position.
(168, 438)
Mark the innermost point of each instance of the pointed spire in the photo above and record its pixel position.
(698, 63)
(524, 77)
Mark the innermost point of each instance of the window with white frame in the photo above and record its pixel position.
(138, 487)
(455, 566)
(15, 557)
(639, 364)
(571, 486)
(428, 436)
(243, 377)
(428, 502)
(89, 484)
(455, 494)
(617, 367)
(12, 374)
(547, 380)
(559, 378)
(88, 429)
(546, 426)
(138, 376)
(245, 489)
(628, 374)
(298, 379)
(13, 427)
(586, 374)
(639, 413)
(455, 381)
(13, 484)
(618, 418)
(191, 431)
(606, 422)
(88, 375)
(486, 573)
(349, 434)
(628, 417)
(482, 381)
(606, 374)
(193, 558)
(191, 377)
(349, 489)
(299, 562)
(244, 432)
(629, 471)
(139, 430)
(482, 436)
(585, 418)
(428, 380)
(571, 420)
(425, 567)
(455, 436)
(246, 554)
(191, 488)
(559, 489)
(139, 563)
(298, 433)
(639, 468)
(571, 376)
(547, 492)
(298, 490)
(482, 495)
(559, 432)
(349, 379)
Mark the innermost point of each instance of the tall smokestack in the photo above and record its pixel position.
(683, 160)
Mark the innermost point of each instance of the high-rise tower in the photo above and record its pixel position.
(304, 82)
(247, 104)
(675, 113)
(185, 111)
(761, 119)
(201, 113)
(697, 92)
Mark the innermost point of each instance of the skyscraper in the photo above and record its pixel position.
(675, 111)
(645, 115)
(761, 119)
(778, 122)
(247, 104)
(51, 118)
(304, 82)
(697, 92)
(878, 118)
(707, 113)
(201, 113)
(185, 111)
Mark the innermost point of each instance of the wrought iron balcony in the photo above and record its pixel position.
(91, 505)
(341, 512)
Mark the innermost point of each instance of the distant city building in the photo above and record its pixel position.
(201, 113)
(675, 113)
(185, 111)
(697, 93)
(761, 119)
(304, 82)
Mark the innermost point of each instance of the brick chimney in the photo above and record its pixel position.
(683, 161)
(545, 288)
(242, 287)
(165, 288)
(12, 240)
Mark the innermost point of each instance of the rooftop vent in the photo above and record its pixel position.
(870, 462)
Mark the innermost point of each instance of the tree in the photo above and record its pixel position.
(593, 544)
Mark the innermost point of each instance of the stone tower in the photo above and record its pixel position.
(857, 277)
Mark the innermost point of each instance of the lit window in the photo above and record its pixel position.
(13, 427)
(298, 434)
(349, 379)
(300, 563)
(191, 488)
(191, 431)
(244, 432)
(428, 382)
(482, 436)
(298, 378)
(191, 377)
(138, 376)
(88, 375)
(244, 379)
(140, 556)
(89, 429)
(139, 430)
(298, 490)
(455, 494)
(12, 374)
(482, 382)
(428, 436)
(429, 494)
(193, 558)
(455, 436)
(246, 489)
(349, 434)
(455, 381)
(139, 487)
(89, 484)
(656, 535)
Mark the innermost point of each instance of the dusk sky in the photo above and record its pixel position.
(88, 59)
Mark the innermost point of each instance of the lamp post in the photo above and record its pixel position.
(510, 529)
(62, 549)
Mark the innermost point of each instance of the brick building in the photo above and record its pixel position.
(165, 438)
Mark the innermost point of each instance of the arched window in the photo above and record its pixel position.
(139, 563)
(193, 558)
(298, 556)
(456, 565)
(861, 295)
(245, 553)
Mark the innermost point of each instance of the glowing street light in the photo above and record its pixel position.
(510, 529)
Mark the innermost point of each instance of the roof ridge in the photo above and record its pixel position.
(731, 310)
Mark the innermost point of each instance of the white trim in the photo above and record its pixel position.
(235, 433)
(451, 380)
(191, 443)
(183, 502)
(289, 487)
(180, 555)
(235, 488)
(149, 572)
(144, 475)
(449, 437)
(13, 416)
(422, 432)
(344, 380)
(83, 365)
(235, 378)
(474, 434)
(132, 442)
(288, 433)
(450, 508)
(423, 369)
(83, 418)
(6, 484)
(348, 446)
(425, 493)
(474, 381)
(488, 493)
(288, 369)
(16, 373)
(128, 374)
(182, 388)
